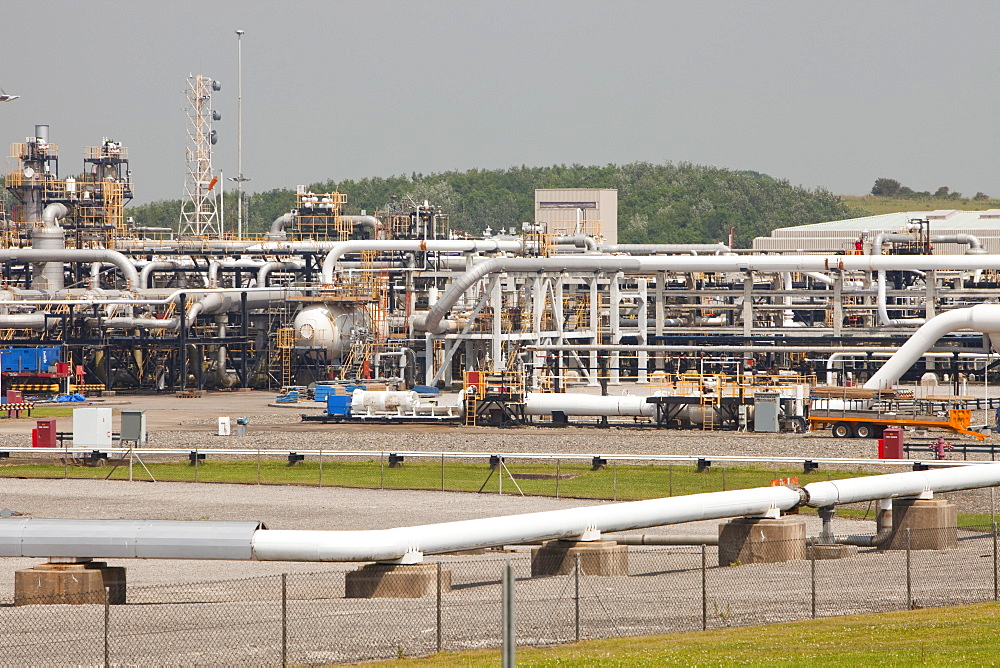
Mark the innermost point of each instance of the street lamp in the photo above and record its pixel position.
(239, 178)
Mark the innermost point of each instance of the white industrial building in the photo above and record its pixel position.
(842, 235)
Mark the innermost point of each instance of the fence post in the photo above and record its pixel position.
(196, 464)
(723, 478)
(670, 479)
(812, 567)
(442, 475)
(614, 468)
(321, 467)
(381, 470)
(909, 582)
(509, 634)
(258, 465)
(704, 589)
(65, 460)
(107, 622)
(557, 478)
(576, 598)
(284, 619)
(440, 644)
(996, 583)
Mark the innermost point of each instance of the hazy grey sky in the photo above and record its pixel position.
(829, 94)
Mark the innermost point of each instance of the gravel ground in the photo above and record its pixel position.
(615, 607)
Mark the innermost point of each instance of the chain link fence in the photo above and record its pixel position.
(314, 618)
(541, 475)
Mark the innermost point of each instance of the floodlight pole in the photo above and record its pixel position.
(239, 178)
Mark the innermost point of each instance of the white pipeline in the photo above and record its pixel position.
(983, 318)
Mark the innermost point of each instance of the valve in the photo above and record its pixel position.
(940, 448)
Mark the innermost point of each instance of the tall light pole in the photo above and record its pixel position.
(239, 178)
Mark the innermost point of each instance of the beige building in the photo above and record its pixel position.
(592, 211)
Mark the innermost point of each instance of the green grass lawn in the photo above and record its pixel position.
(962, 635)
(622, 482)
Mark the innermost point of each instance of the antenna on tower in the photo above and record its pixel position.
(199, 216)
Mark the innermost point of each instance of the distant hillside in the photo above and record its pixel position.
(876, 205)
(668, 203)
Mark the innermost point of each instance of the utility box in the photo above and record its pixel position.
(92, 427)
(225, 426)
(338, 405)
(767, 410)
(892, 443)
(134, 426)
(44, 434)
(14, 397)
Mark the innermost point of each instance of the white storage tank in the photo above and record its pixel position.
(374, 402)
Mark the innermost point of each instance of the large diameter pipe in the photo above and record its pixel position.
(431, 320)
(33, 255)
(982, 318)
(897, 485)
(546, 403)
(445, 246)
(391, 544)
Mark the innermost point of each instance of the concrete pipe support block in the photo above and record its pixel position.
(395, 581)
(597, 557)
(69, 584)
(761, 540)
(933, 524)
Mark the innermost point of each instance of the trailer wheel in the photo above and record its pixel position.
(865, 430)
(841, 430)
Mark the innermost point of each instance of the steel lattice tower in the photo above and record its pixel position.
(199, 215)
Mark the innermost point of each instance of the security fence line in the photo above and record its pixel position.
(308, 618)
(624, 477)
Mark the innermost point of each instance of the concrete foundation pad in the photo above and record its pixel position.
(933, 524)
(395, 581)
(69, 584)
(819, 552)
(597, 557)
(761, 540)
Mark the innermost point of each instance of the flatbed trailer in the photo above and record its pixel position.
(864, 413)
(869, 424)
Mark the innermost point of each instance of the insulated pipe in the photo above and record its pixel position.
(584, 241)
(446, 246)
(653, 249)
(430, 320)
(150, 267)
(217, 266)
(983, 318)
(268, 267)
(279, 223)
(53, 213)
(36, 321)
(34, 255)
(546, 403)
(102, 539)
(572, 523)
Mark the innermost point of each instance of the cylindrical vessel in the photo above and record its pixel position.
(364, 401)
(329, 327)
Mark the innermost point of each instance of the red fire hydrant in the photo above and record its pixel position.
(940, 448)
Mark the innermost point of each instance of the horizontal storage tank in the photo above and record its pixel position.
(368, 402)
(329, 327)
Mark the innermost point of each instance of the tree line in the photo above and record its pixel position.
(657, 203)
